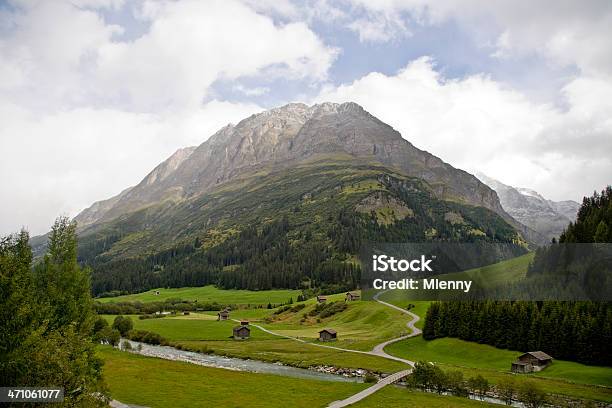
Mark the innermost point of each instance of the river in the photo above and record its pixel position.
(236, 364)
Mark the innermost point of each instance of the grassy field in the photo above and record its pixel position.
(397, 397)
(210, 294)
(510, 270)
(195, 327)
(201, 332)
(562, 377)
(160, 383)
(360, 327)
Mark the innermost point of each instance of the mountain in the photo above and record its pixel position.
(284, 198)
(527, 206)
(283, 137)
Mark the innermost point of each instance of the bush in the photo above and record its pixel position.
(109, 336)
(123, 324)
(369, 378)
(147, 337)
(151, 316)
(99, 324)
(455, 383)
(531, 395)
(478, 385)
(506, 389)
(298, 307)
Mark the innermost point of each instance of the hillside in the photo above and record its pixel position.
(284, 199)
(301, 226)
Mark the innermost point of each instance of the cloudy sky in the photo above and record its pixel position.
(95, 93)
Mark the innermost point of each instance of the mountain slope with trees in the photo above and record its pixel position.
(284, 199)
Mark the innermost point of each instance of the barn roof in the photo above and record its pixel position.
(330, 331)
(353, 293)
(242, 327)
(540, 355)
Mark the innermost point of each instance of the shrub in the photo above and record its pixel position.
(531, 395)
(369, 378)
(298, 307)
(506, 389)
(123, 324)
(147, 337)
(109, 336)
(478, 385)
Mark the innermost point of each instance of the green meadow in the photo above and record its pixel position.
(361, 326)
(154, 383)
(562, 377)
(210, 294)
(195, 327)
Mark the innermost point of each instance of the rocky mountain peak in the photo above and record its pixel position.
(288, 135)
(529, 207)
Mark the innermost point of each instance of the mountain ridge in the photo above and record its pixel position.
(529, 207)
(282, 137)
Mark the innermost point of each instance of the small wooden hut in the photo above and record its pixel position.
(241, 332)
(328, 335)
(531, 361)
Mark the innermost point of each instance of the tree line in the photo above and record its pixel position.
(575, 331)
(570, 330)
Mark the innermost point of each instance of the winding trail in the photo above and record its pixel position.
(378, 350)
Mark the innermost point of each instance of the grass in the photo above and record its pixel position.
(397, 397)
(152, 382)
(210, 294)
(562, 377)
(360, 327)
(195, 327)
(510, 270)
(201, 332)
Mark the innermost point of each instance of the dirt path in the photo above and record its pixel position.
(378, 350)
(371, 390)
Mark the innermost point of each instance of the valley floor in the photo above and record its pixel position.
(160, 383)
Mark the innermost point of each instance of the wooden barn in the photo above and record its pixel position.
(351, 296)
(244, 322)
(223, 315)
(531, 361)
(328, 335)
(241, 332)
(321, 299)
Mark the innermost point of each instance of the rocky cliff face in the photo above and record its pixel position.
(287, 136)
(547, 217)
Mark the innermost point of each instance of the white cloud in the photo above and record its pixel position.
(192, 44)
(58, 54)
(567, 32)
(476, 123)
(379, 27)
(86, 114)
(63, 162)
(256, 91)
